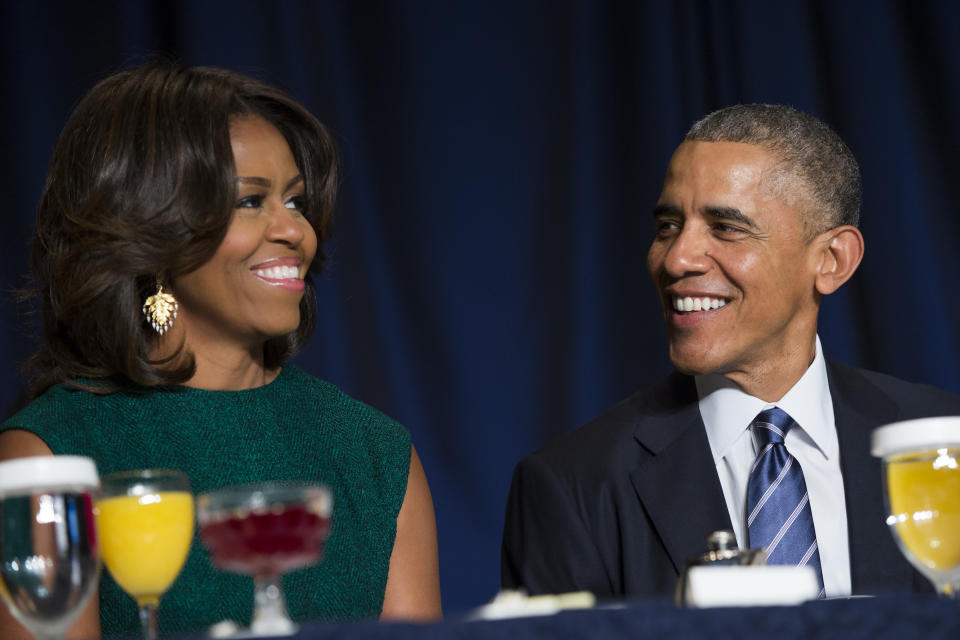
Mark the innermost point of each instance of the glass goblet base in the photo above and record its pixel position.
(270, 616)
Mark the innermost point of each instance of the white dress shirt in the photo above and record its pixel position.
(727, 412)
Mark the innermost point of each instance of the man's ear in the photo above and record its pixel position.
(841, 250)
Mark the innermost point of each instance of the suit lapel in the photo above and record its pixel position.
(859, 407)
(677, 482)
(678, 486)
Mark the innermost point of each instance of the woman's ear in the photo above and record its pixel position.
(841, 251)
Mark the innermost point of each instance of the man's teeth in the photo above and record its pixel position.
(697, 304)
(279, 273)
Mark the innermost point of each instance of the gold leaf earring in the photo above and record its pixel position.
(160, 309)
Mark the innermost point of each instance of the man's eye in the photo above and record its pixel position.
(665, 226)
(726, 228)
(250, 202)
(297, 203)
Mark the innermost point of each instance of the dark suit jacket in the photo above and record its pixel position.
(618, 505)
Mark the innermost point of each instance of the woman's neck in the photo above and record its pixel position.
(230, 372)
(221, 365)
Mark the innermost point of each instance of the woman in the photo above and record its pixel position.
(183, 213)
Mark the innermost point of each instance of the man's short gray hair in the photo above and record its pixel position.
(808, 150)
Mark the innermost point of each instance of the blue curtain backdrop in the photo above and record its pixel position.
(488, 284)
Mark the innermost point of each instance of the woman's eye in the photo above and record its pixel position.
(297, 203)
(250, 202)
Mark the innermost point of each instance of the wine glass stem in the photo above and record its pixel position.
(148, 620)
(270, 609)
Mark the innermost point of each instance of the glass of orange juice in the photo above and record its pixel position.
(921, 470)
(145, 519)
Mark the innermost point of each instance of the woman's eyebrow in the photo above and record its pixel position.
(260, 182)
(293, 182)
(265, 182)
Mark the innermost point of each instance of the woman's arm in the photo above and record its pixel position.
(413, 583)
(17, 443)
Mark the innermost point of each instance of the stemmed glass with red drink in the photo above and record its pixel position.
(266, 530)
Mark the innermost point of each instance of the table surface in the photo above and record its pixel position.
(896, 617)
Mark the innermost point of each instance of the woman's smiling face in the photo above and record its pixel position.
(250, 290)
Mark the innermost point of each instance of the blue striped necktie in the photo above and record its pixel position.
(778, 507)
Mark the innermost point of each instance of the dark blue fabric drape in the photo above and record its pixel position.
(488, 285)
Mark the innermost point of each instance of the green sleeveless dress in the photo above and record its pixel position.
(295, 428)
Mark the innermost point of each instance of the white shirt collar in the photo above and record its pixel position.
(727, 410)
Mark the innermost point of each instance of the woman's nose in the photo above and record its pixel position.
(286, 225)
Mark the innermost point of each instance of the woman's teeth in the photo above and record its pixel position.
(278, 273)
(697, 304)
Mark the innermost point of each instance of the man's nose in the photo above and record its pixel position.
(688, 253)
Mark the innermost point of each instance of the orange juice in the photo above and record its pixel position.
(924, 494)
(145, 540)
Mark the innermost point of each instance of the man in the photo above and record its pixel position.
(757, 222)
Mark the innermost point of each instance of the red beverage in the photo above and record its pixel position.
(266, 543)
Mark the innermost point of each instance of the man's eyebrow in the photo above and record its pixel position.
(730, 213)
(662, 209)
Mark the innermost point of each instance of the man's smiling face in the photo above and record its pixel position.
(732, 263)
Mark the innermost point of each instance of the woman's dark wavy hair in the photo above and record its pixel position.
(142, 184)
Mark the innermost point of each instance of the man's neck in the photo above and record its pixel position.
(772, 379)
